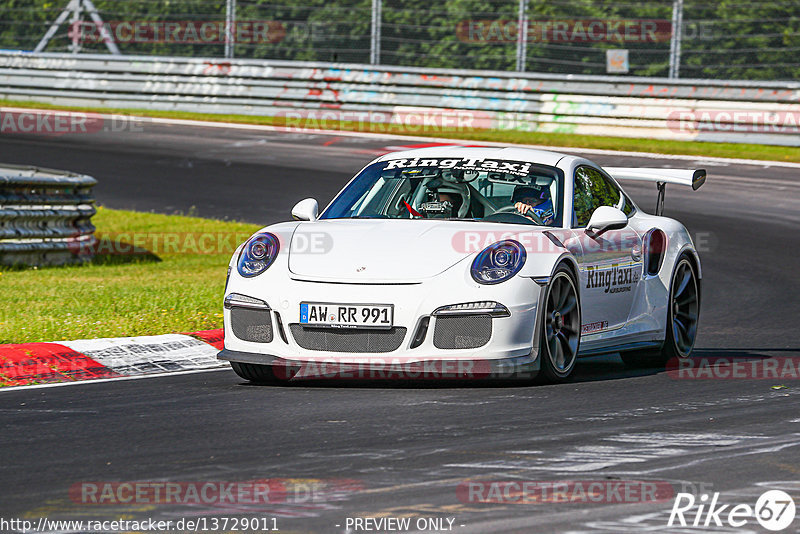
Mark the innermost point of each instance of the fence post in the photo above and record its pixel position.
(522, 35)
(108, 39)
(51, 31)
(230, 30)
(75, 45)
(675, 41)
(375, 41)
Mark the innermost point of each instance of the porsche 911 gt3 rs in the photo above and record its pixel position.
(452, 259)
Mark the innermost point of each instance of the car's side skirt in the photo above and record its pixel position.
(639, 345)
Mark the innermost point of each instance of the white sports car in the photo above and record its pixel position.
(462, 262)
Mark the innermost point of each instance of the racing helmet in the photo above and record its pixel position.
(447, 183)
(459, 191)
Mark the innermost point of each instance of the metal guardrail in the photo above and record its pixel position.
(735, 111)
(45, 216)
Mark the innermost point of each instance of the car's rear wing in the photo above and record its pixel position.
(687, 177)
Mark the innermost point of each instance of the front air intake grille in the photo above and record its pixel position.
(281, 331)
(251, 325)
(348, 339)
(462, 331)
(422, 331)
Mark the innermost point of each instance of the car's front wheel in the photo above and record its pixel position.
(560, 328)
(259, 374)
(683, 312)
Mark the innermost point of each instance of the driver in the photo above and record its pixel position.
(534, 199)
(450, 199)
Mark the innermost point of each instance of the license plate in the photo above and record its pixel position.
(346, 315)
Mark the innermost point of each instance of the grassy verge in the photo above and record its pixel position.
(724, 150)
(178, 288)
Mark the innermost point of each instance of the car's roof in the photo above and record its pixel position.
(544, 157)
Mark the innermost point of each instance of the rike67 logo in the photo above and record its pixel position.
(774, 510)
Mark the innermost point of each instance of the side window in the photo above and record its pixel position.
(593, 190)
(627, 207)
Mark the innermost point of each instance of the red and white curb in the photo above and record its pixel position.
(94, 359)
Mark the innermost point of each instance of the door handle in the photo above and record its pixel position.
(636, 253)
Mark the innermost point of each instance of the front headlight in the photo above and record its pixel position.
(498, 262)
(258, 254)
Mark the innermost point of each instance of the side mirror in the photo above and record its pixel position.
(606, 218)
(306, 210)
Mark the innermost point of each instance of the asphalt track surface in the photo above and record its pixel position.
(405, 448)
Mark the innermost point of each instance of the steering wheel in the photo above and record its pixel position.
(531, 214)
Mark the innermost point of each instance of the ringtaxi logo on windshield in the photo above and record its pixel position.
(774, 510)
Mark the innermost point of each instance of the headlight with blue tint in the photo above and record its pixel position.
(258, 254)
(498, 262)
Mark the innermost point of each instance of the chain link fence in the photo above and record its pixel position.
(737, 40)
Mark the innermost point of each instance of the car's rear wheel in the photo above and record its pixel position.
(560, 328)
(259, 374)
(683, 313)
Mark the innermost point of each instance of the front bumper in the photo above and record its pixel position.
(512, 346)
(388, 368)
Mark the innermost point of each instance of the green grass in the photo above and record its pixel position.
(126, 295)
(724, 150)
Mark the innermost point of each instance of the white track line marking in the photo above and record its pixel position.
(102, 380)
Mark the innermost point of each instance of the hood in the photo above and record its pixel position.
(370, 250)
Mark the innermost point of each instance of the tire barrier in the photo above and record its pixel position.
(45, 216)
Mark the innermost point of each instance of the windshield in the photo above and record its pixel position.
(454, 188)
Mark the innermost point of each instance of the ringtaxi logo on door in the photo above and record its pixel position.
(774, 510)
